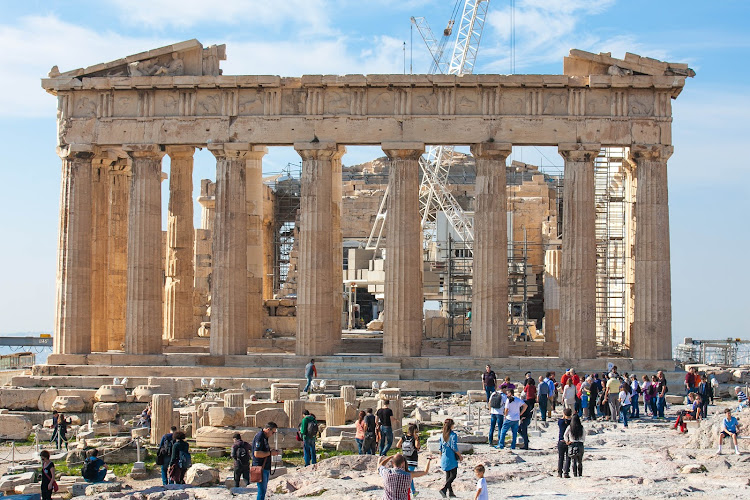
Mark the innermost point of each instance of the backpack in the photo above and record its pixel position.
(407, 447)
(185, 461)
(496, 400)
(243, 457)
(370, 427)
(88, 471)
(164, 453)
(312, 429)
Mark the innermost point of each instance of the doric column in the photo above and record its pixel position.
(577, 338)
(402, 330)
(178, 307)
(143, 323)
(316, 287)
(651, 337)
(102, 163)
(229, 284)
(489, 322)
(254, 201)
(73, 295)
(338, 246)
(117, 253)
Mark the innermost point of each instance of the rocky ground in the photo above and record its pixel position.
(649, 459)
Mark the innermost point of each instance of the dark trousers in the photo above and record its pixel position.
(575, 454)
(450, 476)
(523, 430)
(370, 446)
(46, 492)
(543, 406)
(240, 472)
(562, 456)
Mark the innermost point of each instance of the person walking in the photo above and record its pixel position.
(706, 392)
(514, 407)
(359, 436)
(241, 451)
(562, 446)
(449, 457)
(371, 439)
(612, 395)
(164, 454)
(624, 401)
(262, 454)
(308, 429)
(574, 436)
(396, 479)
(489, 381)
(310, 372)
(181, 461)
(48, 476)
(60, 430)
(497, 408)
(385, 414)
(661, 399)
(481, 493)
(409, 444)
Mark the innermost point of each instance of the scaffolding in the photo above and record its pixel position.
(728, 352)
(287, 191)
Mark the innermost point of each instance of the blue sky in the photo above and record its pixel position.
(709, 191)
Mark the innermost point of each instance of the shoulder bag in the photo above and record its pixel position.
(256, 472)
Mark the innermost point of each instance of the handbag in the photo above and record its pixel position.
(54, 484)
(256, 472)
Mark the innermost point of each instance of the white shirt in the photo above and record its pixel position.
(482, 484)
(514, 409)
(569, 393)
(624, 398)
(569, 437)
(499, 411)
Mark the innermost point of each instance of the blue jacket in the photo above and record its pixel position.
(448, 459)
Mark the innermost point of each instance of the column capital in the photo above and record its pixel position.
(150, 151)
(76, 151)
(321, 150)
(180, 151)
(235, 150)
(578, 151)
(649, 152)
(403, 150)
(492, 150)
(105, 157)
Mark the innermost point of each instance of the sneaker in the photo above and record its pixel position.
(442, 494)
(736, 452)
(718, 452)
(498, 447)
(567, 476)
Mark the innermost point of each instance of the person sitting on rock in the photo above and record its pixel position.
(94, 469)
(728, 429)
(396, 479)
(741, 398)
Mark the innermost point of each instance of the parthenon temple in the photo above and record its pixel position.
(130, 294)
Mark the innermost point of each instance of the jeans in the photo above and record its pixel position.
(412, 468)
(635, 411)
(543, 406)
(513, 426)
(309, 451)
(523, 430)
(100, 475)
(575, 455)
(309, 383)
(661, 402)
(164, 477)
(239, 473)
(263, 485)
(689, 390)
(488, 390)
(652, 403)
(562, 456)
(495, 419)
(386, 439)
(625, 411)
(369, 446)
(360, 443)
(585, 405)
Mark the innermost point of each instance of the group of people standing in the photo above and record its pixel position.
(374, 432)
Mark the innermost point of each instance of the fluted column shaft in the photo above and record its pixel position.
(180, 274)
(143, 322)
(73, 294)
(651, 337)
(577, 338)
(489, 328)
(102, 163)
(229, 286)
(254, 201)
(117, 254)
(316, 287)
(338, 246)
(402, 329)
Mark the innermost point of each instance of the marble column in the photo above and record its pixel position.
(117, 253)
(73, 284)
(402, 329)
(102, 164)
(651, 337)
(316, 287)
(180, 274)
(229, 284)
(577, 339)
(338, 247)
(143, 322)
(489, 324)
(254, 201)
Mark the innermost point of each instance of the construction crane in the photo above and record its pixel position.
(434, 195)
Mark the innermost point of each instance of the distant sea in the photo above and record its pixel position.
(40, 352)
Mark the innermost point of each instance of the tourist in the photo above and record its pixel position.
(529, 397)
(262, 454)
(594, 391)
(59, 430)
(692, 413)
(310, 372)
(396, 479)
(385, 414)
(181, 460)
(552, 398)
(164, 454)
(489, 381)
(574, 436)
(508, 385)
(449, 457)
(654, 396)
(741, 399)
(646, 391)
(308, 429)
(612, 395)
(241, 454)
(542, 395)
(371, 439)
(409, 444)
(585, 395)
(690, 383)
(564, 379)
(48, 476)
(569, 394)
(497, 407)
(562, 446)
(728, 429)
(514, 407)
(635, 390)
(624, 400)
(359, 436)
(481, 492)
(613, 371)
(714, 387)
(661, 398)
(706, 392)
(94, 469)
(145, 420)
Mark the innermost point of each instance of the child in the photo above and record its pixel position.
(482, 493)
(562, 447)
(728, 429)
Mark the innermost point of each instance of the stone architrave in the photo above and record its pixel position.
(117, 253)
(402, 329)
(489, 321)
(349, 393)
(335, 411)
(651, 337)
(73, 296)
(162, 416)
(143, 326)
(294, 408)
(229, 287)
(254, 201)
(234, 400)
(178, 307)
(577, 338)
(316, 286)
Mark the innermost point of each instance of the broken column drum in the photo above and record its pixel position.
(162, 416)
(335, 411)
